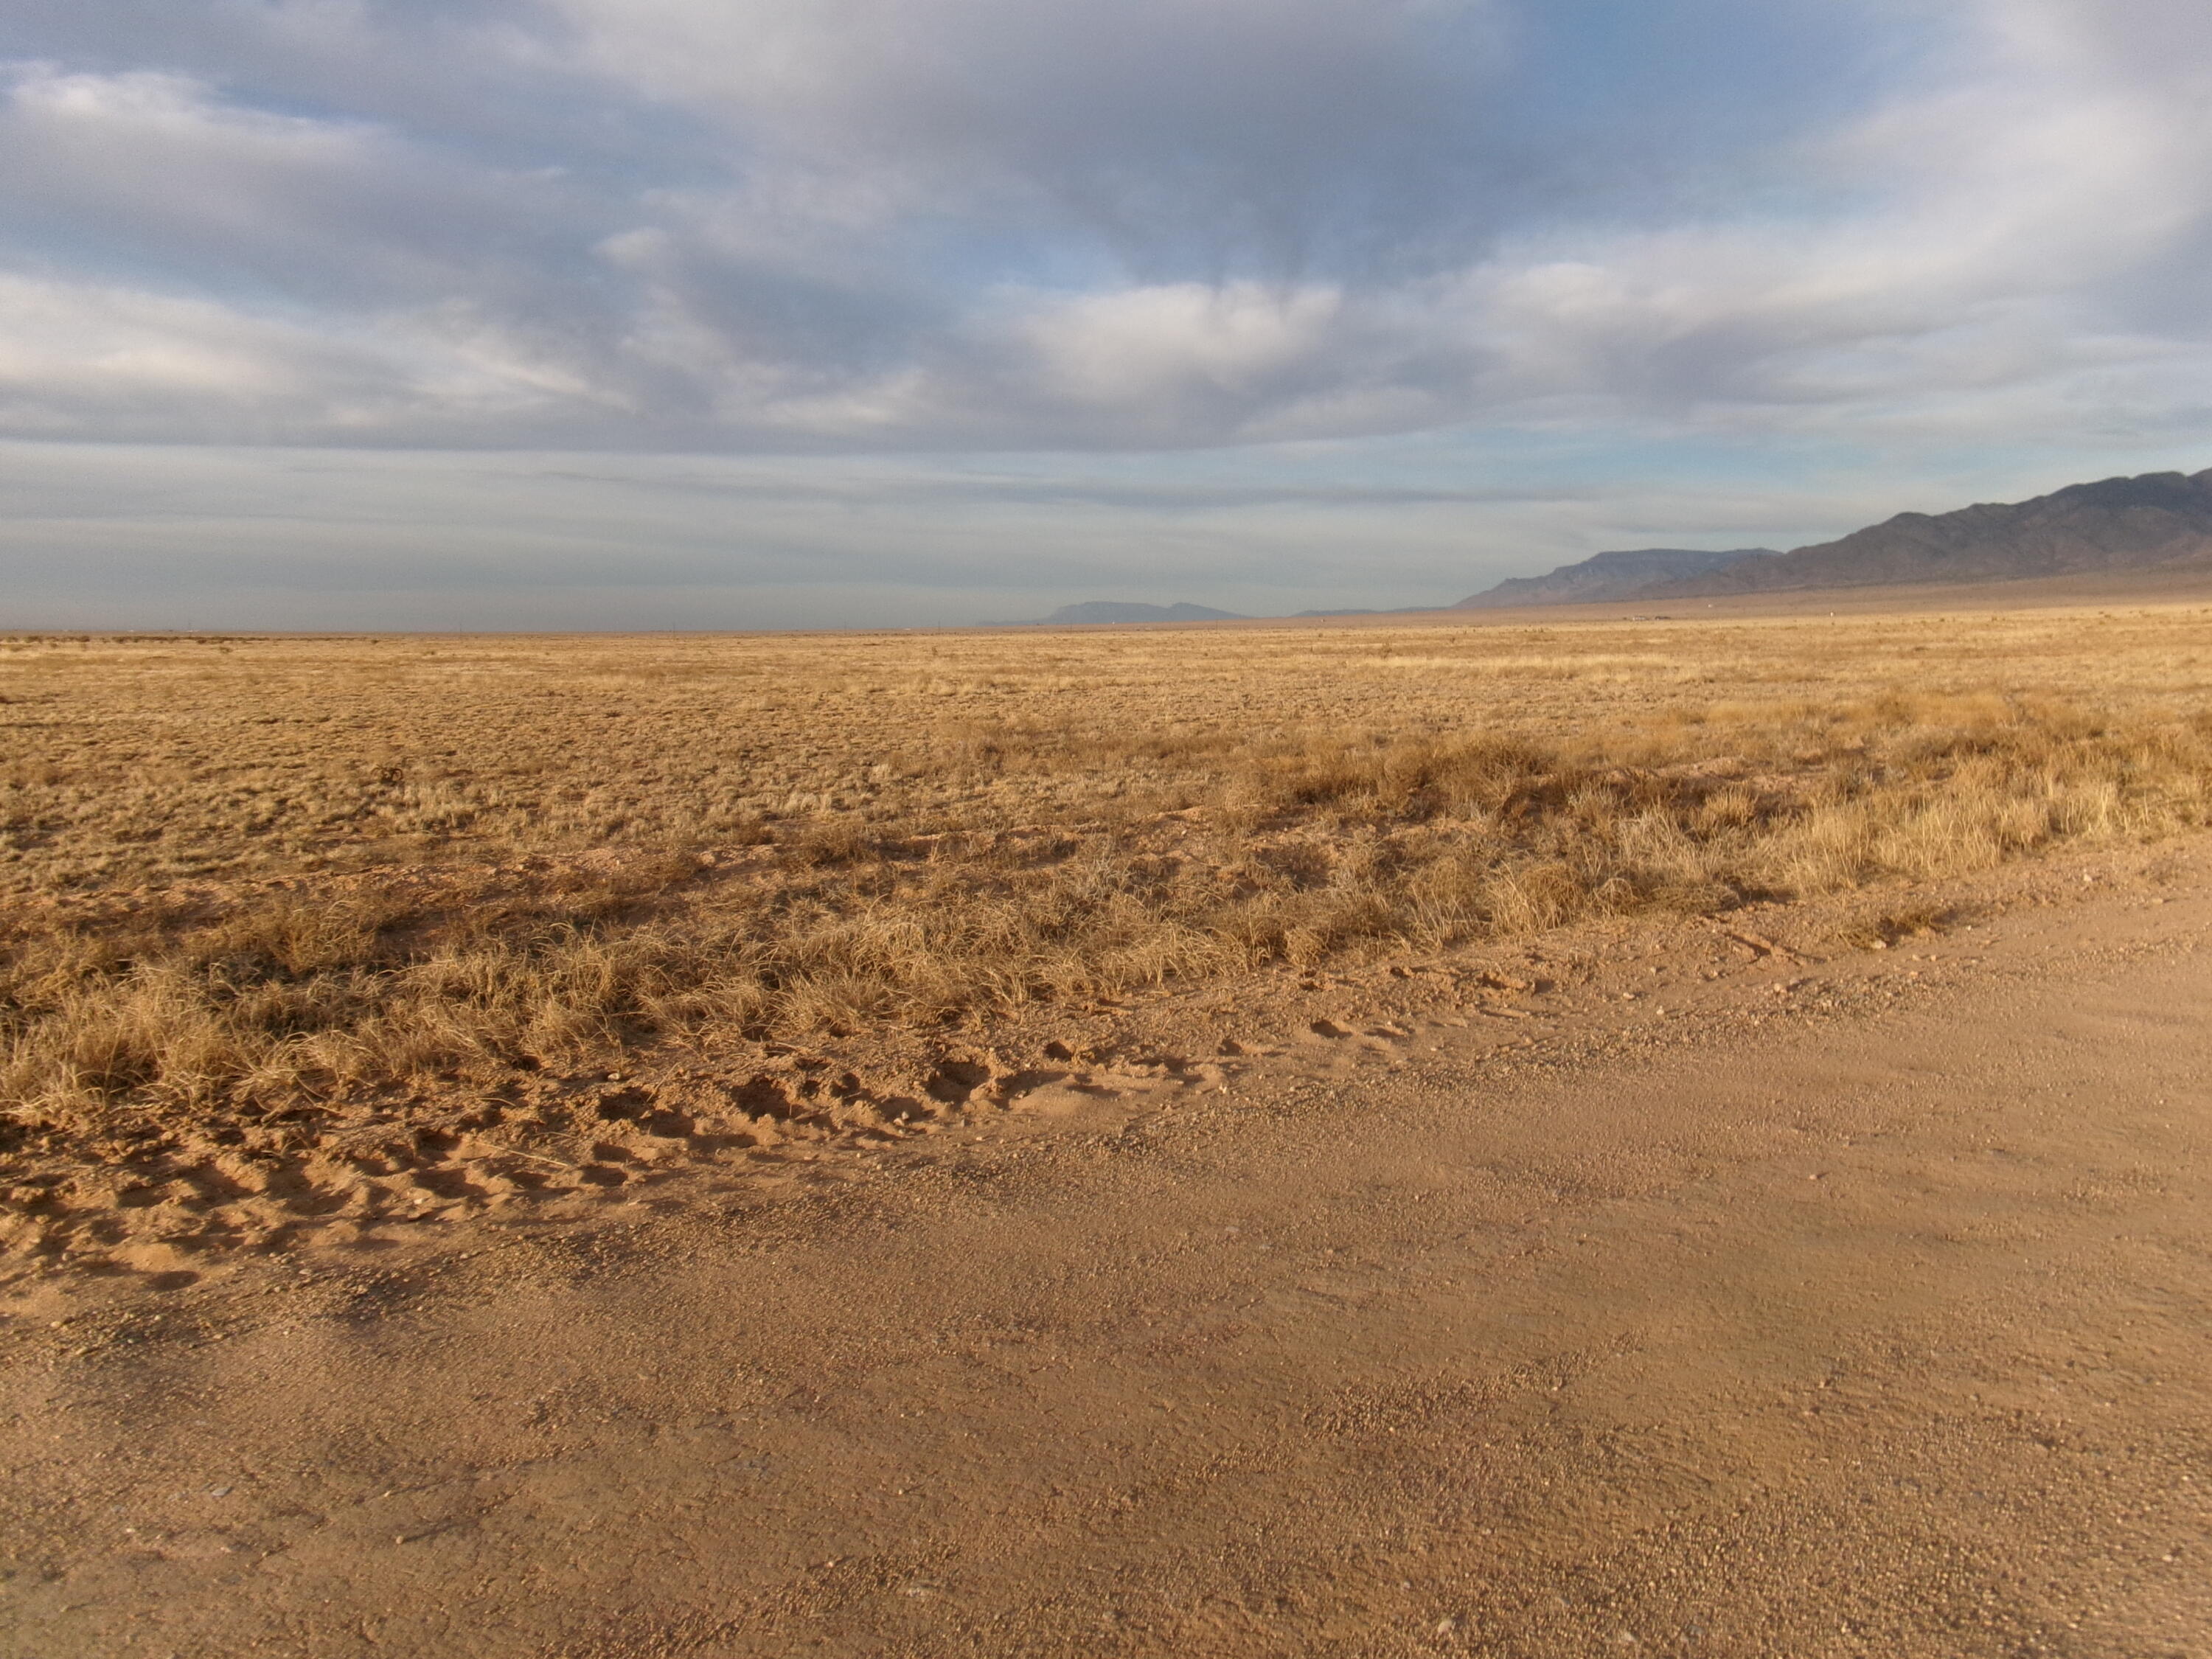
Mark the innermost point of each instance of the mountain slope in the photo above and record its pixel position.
(2115, 524)
(1607, 576)
(1121, 610)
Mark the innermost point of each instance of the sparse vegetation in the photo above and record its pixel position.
(246, 873)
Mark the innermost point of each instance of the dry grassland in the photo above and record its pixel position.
(258, 890)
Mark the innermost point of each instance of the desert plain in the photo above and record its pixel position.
(1545, 1134)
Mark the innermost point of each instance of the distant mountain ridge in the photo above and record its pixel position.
(2151, 520)
(2115, 523)
(1607, 576)
(1123, 610)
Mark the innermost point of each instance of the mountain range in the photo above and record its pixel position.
(1609, 576)
(1122, 610)
(2153, 520)
(2157, 520)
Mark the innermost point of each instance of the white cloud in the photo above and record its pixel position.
(857, 226)
(972, 221)
(1986, 223)
(100, 362)
(106, 362)
(155, 167)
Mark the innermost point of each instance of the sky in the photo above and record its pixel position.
(774, 313)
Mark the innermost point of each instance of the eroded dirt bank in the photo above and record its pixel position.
(1867, 1315)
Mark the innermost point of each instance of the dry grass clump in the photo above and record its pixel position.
(267, 872)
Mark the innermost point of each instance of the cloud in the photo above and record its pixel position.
(944, 223)
(935, 227)
(187, 267)
(1180, 137)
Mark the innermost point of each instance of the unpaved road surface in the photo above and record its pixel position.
(1882, 1330)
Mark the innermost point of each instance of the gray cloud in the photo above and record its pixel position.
(797, 229)
(944, 223)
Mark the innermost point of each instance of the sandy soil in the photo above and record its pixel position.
(1696, 1290)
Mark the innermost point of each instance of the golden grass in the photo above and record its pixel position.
(251, 873)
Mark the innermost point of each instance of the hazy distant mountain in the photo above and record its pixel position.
(2118, 524)
(1120, 610)
(1607, 576)
(2160, 519)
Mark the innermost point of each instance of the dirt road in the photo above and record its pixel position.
(1883, 1331)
